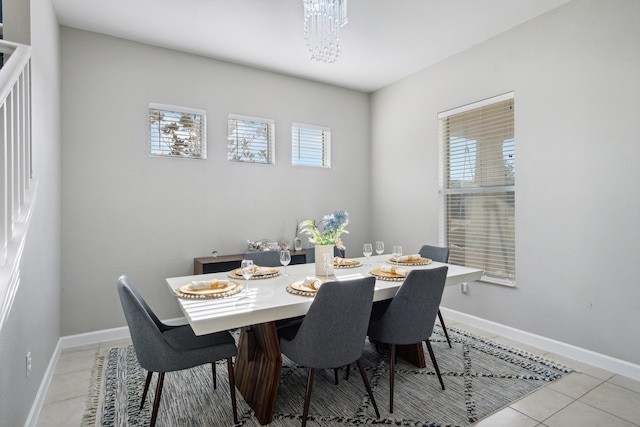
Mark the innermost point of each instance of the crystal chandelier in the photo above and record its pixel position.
(322, 22)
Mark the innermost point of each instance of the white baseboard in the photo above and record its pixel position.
(34, 413)
(589, 357)
(96, 337)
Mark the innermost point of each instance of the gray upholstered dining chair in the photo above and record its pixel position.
(410, 316)
(439, 254)
(163, 348)
(310, 254)
(333, 332)
(264, 258)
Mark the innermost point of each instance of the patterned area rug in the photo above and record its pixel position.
(480, 377)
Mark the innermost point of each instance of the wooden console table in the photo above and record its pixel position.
(229, 262)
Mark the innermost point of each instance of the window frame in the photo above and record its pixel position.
(155, 136)
(473, 192)
(248, 155)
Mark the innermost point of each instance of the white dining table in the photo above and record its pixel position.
(269, 300)
(255, 311)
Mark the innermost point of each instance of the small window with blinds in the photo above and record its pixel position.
(177, 132)
(478, 187)
(251, 139)
(311, 145)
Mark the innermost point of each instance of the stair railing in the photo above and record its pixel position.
(16, 194)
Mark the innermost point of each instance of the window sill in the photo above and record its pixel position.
(496, 281)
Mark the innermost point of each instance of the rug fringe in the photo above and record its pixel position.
(92, 403)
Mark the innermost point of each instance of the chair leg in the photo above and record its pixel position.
(307, 397)
(215, 380)
(433, 360)
(347, 368)
(156, 402)
(392, 375)
(444, 328)
(363, 374)
(146, 388)
(232, 386)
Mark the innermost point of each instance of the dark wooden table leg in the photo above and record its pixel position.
(257, 370)
(412, 353)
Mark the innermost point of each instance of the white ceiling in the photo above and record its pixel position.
(384, 41)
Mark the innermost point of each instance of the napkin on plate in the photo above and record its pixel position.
(394, 270)
(338, 261)
(414, 257)
(199, 285)
(262, 270)
(312, 282)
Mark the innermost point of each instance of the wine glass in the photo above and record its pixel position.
(397, 253)
(246, 268)
(367, 250)
(285, 259)
(379, 248)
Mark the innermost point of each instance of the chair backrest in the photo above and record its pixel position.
(146, 336)
(146, 307)
(333, 331)
(410, 317)
(264, 258)
(310, 254)
(435, 253)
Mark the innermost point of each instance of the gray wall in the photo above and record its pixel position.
(575, 75)
(16, 24)
(124, 212)
(33, 324)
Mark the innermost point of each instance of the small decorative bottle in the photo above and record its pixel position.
(297, 242)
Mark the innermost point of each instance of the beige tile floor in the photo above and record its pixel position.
(588, 396)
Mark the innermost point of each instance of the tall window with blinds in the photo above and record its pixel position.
(478, 186)
(311, 145)
(177, 131)
(251, 139)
